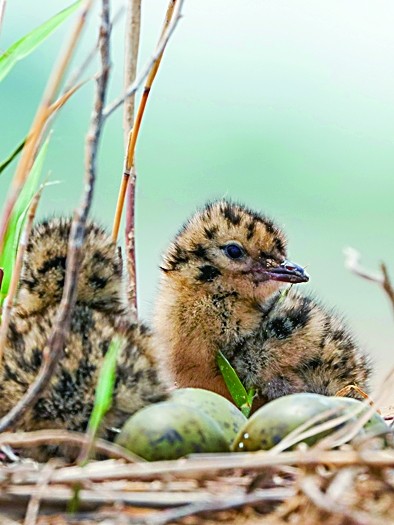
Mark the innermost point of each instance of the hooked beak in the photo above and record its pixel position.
(288, 272)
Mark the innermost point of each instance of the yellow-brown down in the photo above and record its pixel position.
(222, 289)
(67, 402)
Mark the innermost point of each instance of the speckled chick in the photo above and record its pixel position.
(67, 402)
(222, 289)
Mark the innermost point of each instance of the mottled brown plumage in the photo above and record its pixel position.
(68, 400)
(222, 289)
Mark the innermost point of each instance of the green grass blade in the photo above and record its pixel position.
(12, 156)
(28, 43)
(17, 220)
(241, 397)
(105, 386)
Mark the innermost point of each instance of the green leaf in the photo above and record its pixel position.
(28, 43)
(241, 397)
(12, 156)
(105, 386)
(17, 220)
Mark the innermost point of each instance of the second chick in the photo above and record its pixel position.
(68, 400)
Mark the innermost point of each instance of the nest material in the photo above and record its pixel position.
(308, 487)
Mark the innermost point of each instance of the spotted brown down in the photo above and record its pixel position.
(222, 289)
(68, 400)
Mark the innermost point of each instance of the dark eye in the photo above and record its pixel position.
(234, 251)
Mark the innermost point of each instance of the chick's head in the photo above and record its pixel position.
(227, 247)
(44, 268)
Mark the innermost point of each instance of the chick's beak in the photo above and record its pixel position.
(287, 272)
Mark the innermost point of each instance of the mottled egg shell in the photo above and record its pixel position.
(220, 409)
(169, 430)
(275, 420)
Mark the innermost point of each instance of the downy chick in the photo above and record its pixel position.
(221, 290)
(67, 402)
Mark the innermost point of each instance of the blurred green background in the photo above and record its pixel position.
(285, 105)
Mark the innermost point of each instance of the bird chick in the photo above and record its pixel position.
(221, 290)
(68, 400)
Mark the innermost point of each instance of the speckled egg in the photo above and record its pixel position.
(170, 430)
(220, 409)
(275, 420)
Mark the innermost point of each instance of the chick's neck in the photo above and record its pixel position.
(194, 322)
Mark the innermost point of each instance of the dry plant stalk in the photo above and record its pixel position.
(132, 89)
(2, 11)
(41, 119)
(9, 301)
(352, 263)
(55, 437)
(81, 69)
(128, 182)
(201, 466)
(54, 349)
(132, 44)
(33, 507)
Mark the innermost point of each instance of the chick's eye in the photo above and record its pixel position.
(233, 251)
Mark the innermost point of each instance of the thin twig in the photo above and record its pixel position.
(352, 263)
(64, 97)
(40, 120)
(34, 503)
(215, 504)
(201, 467)
(387, 286)
(104, 47)
(16, 272)
(114, 105)
(54, 349)
(39, 438)
(76, 75)
(132, 44)
(321, 500)
(2, 11)
(152, 65)
(128, 182)
(351, 429)
(130, 243)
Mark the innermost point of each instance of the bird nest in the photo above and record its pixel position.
(352, 484)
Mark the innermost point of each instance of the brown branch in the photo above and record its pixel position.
(57, 437)
(352, 263)
(54, 348)
(40, 120)
(9, 301)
